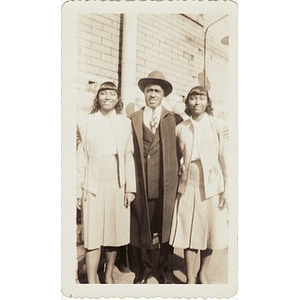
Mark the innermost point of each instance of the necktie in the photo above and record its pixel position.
(153, 122)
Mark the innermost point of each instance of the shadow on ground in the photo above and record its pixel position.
(125, 274)
(128, 265)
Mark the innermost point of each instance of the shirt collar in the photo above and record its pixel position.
(148, 110)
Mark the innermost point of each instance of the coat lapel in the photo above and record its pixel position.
(137, 123)
(116, 125)
(187, 145)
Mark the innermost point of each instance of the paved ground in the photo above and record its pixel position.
(216, 274)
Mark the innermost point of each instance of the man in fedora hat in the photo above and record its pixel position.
(157, 174)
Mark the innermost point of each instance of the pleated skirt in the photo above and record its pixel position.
(106, 221)
(197, 222)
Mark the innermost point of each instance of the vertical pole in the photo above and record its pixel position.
(128, 73)
(205, 49)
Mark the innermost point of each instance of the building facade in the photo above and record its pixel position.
(175, 44)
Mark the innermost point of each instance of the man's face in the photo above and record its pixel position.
(153, 95)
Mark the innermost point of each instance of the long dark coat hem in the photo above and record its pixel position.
(140, 233)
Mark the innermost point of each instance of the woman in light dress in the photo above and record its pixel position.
(200, 214)
(106, 183)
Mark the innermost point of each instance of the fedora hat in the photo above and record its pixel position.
(158, 78)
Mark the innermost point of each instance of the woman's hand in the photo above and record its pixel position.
(80, 200)
(79, 203)
(128, 198)
(223, 200)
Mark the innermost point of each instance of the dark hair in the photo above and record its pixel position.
(107, 86)
(209, 109)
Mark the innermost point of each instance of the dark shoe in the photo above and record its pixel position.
(161, 277)
(170, 278)
(164, 277)
(143, 276)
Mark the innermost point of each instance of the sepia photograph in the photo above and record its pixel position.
(149, 149)
(151, 152)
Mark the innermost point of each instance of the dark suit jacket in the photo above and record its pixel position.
(140, 224)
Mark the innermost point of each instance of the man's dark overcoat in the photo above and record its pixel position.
(140, 235)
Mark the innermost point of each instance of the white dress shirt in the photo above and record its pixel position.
(147, 114)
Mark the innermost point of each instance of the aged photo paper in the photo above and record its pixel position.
(182, 44)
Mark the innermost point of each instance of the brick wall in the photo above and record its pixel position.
(98, 54)
(171, 43)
